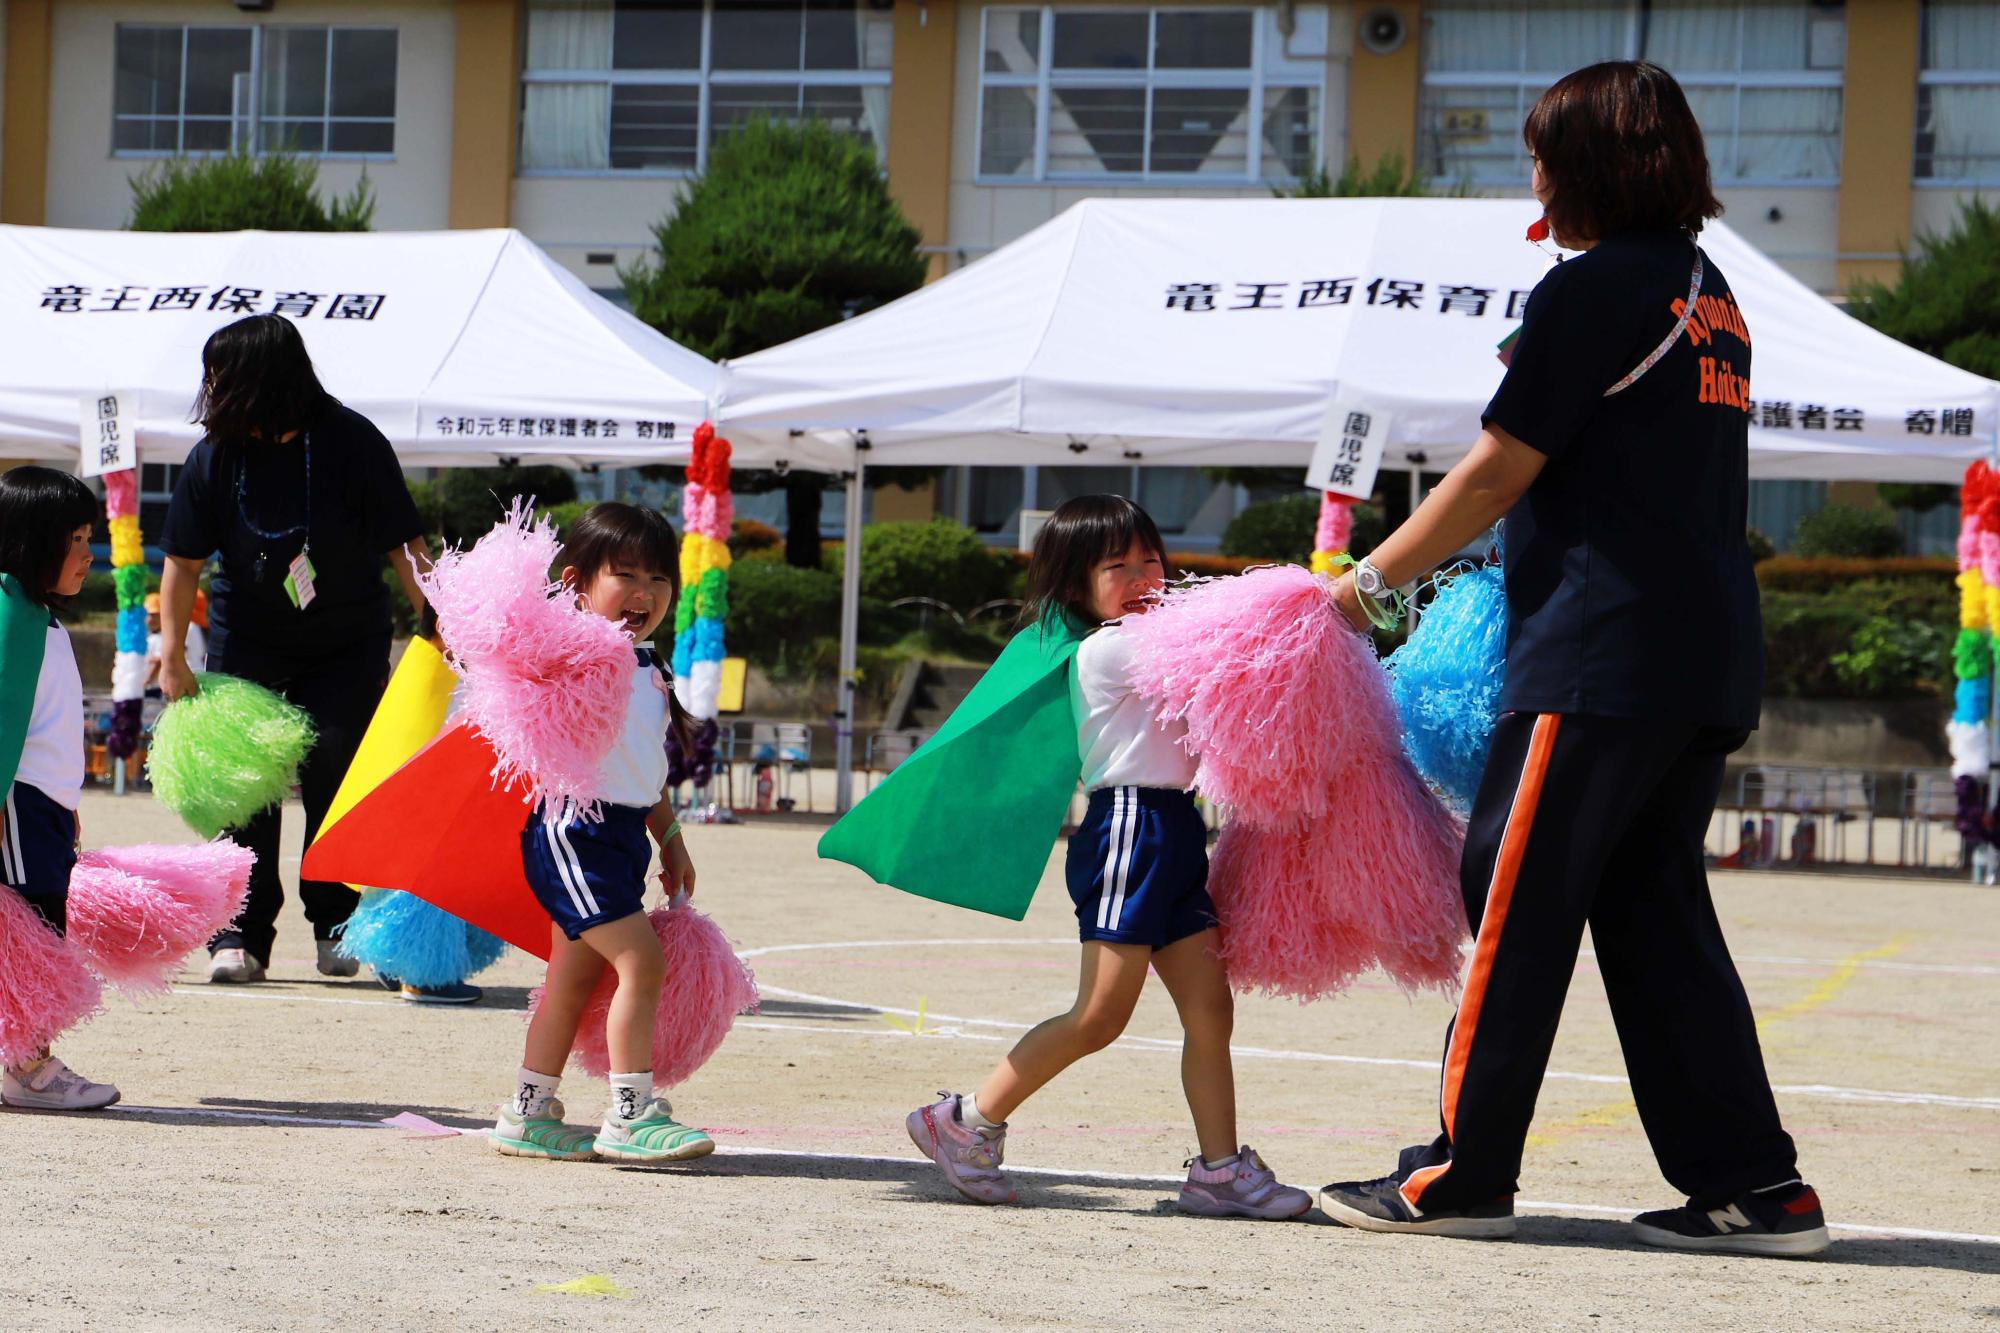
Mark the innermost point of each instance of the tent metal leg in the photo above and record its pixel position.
(850, 637)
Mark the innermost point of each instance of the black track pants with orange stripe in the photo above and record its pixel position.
(1600, 820)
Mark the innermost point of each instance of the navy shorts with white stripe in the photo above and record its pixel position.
(38, 850)
(1138, 867)
(586, 873)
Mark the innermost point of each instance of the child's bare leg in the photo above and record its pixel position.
(1200, 988)
(1107, 990)
(574, 968)
(633, 951)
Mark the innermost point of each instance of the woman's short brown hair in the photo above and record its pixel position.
(1620, 151)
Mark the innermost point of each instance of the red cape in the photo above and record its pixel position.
(438, 827)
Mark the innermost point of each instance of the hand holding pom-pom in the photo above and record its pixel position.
(226, 753)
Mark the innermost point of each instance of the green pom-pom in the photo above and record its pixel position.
(711, 595)
(227, 753)
(1972, 654)
(683, 614)
(130, 583)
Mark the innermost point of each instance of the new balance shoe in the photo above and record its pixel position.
(1242, 1188)
(1379, 1205)
(970, 1158)
(544, 1135)
(456, 993)
(234, 966)
(334, 963)
(54, 1086)
(654, 1136)
(1784, 1221)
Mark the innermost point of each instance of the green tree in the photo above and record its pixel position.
(1946, 298)
(789, 230)
(240, 192)
(1390, 178)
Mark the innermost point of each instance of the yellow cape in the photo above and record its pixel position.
(411, 714)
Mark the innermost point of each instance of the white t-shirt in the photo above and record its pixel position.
(635, 772)
(52, 756)
(1121, 744)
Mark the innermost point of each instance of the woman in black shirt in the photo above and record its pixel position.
(304, 501)
(1617, 451)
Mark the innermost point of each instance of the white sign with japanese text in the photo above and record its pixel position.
(1349, 451)
(104, 432)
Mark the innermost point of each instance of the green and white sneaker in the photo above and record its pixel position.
(654, 1136)
(544, 1135)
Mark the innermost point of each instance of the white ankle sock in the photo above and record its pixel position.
(969, 1115)
(1230, 1160)
(630, 1094)
(534, 1092)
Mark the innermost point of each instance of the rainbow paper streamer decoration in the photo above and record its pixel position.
(707, 512)
(1969, 733)
(1335, 530)
(128, 564)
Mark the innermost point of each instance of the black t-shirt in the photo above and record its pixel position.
(360, 511)
(1630, 587)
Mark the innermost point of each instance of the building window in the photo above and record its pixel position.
(1763, 79)
(1188, 96)
(650, 85)
(1958, 93)
(324, 91)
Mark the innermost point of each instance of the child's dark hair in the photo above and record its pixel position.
(40, 511)
(616, 533)
(1079, 535)
(258, 380)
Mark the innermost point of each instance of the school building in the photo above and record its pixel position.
(1838, 131)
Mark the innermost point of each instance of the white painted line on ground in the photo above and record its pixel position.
(1041, 1172)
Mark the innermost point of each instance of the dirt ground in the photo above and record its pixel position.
(246, 1180)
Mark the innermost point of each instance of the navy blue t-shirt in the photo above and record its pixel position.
(361, 510)
(1630, 588)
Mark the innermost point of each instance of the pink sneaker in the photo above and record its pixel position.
(1242, 1188)
(970, 1158)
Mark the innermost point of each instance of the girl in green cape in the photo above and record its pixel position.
(1137, 868)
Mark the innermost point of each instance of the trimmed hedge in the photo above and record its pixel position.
(1792, 573)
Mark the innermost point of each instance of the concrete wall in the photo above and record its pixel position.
(89, 187)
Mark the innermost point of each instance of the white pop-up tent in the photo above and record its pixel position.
(462, 347)
(1219, 331)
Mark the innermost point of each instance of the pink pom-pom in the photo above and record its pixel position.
(1989, 556)
(45, 989)
(546, 681)
(706, 987)
(1968, 544)
(121, 493)
(715, 516)
(1306, 910)
(136, 912)
(1336, 522)
(1271, 684)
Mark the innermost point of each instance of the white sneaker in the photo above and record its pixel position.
(335, 964)
(54, 1086)
(234, 965)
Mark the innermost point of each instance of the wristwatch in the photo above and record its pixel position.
(1368, 581)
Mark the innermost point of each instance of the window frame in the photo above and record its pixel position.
(1735, 82)
(245, 127)
(703, 77)
(1253, 80)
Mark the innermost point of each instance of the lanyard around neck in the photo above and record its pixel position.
(242, 500)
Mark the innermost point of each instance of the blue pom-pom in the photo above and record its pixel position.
(1446, 681)
(402, 936)
(683, 652)
(1973, 700)
(707, 636)
(131, 634)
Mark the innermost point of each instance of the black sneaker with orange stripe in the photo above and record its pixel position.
(1379, 1205)
(1783, 1220)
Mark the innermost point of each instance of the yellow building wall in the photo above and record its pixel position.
(1878, 135)
(485, 110)
(24, 113)
(920, 117)
(1382, 91)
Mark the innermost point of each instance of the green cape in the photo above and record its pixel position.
(24, 633)
(970, 817)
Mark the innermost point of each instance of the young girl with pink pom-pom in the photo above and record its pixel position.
(1137, 870)
(588, 871)
(45, 523)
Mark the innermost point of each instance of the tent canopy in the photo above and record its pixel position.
(463, 347)
(1219, 332)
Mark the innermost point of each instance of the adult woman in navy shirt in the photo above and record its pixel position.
(1617, 451)
(304, 500)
